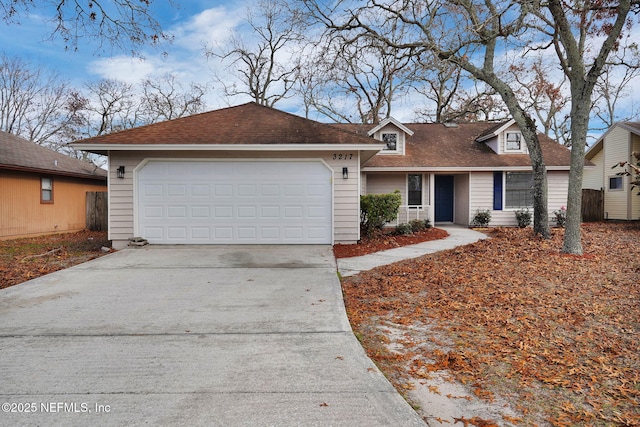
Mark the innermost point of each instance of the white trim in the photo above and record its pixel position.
(147, 160)
(460, 169)
(390, 120)
(229, 147)
(497, 132)
(520, 142)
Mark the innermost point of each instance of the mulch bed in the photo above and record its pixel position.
(384, 240)
(512, 317)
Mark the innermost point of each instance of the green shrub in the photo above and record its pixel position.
(404, 229)
(561, 216)
(378, 209)
(427, 223)
(523, 216)
(417, 225)
(482, 218)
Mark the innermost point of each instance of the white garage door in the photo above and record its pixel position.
(234, 202)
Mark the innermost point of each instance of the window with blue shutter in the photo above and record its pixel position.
(497, 191)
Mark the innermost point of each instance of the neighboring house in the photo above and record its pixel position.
(447, 172)
(252, 174)
(615, 146)
(42, 191)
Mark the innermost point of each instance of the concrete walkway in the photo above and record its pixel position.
(190, 336)
(458, 236)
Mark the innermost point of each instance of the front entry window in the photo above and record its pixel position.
(414, 190)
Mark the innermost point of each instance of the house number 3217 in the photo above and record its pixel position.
(342, 156)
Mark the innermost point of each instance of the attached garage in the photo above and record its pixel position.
(234, 201)
(247, 174)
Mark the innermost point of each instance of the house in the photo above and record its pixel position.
(252, 174)
(615, 146)
(42, 191)
(447, 172)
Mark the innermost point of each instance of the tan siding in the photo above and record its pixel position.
(481, 196)
(593, 178)
(386, 183)
(635, 198)
(616, 149)
(461, 199)
(22, 214)
(346, 192)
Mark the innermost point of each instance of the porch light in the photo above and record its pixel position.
(120, 171)
(345, 173)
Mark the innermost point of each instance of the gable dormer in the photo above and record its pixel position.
(504, 138)
(393, 133)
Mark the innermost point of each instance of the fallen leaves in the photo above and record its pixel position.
(26, 259)
(385, 240)
(512, 316)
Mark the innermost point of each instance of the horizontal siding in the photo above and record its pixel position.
(635, 198)
(616, 149)
(481, 197)
(22, 214)
(346, 191)
(593, 178)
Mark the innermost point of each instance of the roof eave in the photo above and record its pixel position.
(53, 172)
(103, 148)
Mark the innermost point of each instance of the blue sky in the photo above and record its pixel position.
(192, 23)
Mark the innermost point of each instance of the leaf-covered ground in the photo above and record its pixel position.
(384, 240)
(557, 336)
(26, 259)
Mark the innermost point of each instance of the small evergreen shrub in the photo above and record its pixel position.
(378, 209)
(561, 216)
(523, 216)
(404, 229)
(427, 223)
(482, 218)
(417, 225)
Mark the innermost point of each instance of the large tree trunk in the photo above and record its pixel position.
(579, 126)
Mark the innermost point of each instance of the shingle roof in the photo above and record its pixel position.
(19, 154)
(437, 145)
(244, 124)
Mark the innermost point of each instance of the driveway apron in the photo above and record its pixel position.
(190, 335)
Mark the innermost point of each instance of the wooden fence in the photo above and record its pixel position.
(592, 205)
(97, 210)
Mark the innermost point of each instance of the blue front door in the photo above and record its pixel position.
(444, 198)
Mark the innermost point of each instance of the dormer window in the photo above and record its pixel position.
(513, 141)
(391, 141)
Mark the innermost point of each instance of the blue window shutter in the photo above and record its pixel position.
(497, 191)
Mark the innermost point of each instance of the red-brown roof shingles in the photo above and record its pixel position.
(19, 154)
(434, 145)
(244, 124)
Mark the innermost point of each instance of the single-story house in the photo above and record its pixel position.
(447, 172)
(252, 174)
(42, 191)
(613, 147)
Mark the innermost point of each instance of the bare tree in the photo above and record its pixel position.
(267, 64)
(445, 86)
(166, 99)
(121, 24)
(34, 103)
(613, 86)
(474, 34)
(112, 106)
(547, 99)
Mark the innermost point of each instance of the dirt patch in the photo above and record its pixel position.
(26, 259)
(512, 320)
(384, 240)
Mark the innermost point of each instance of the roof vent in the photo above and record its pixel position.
(450, 125)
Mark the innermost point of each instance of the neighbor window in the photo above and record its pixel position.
(414, 190)
(513, 141)
(518, 190)
(391, 141)
(46, 190)
(615, 183)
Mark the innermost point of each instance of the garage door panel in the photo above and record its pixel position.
(234, 202)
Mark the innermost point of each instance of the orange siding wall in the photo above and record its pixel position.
(22, 214)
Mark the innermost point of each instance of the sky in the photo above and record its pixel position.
(192, 23)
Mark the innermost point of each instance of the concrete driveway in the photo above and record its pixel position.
(211, 335)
